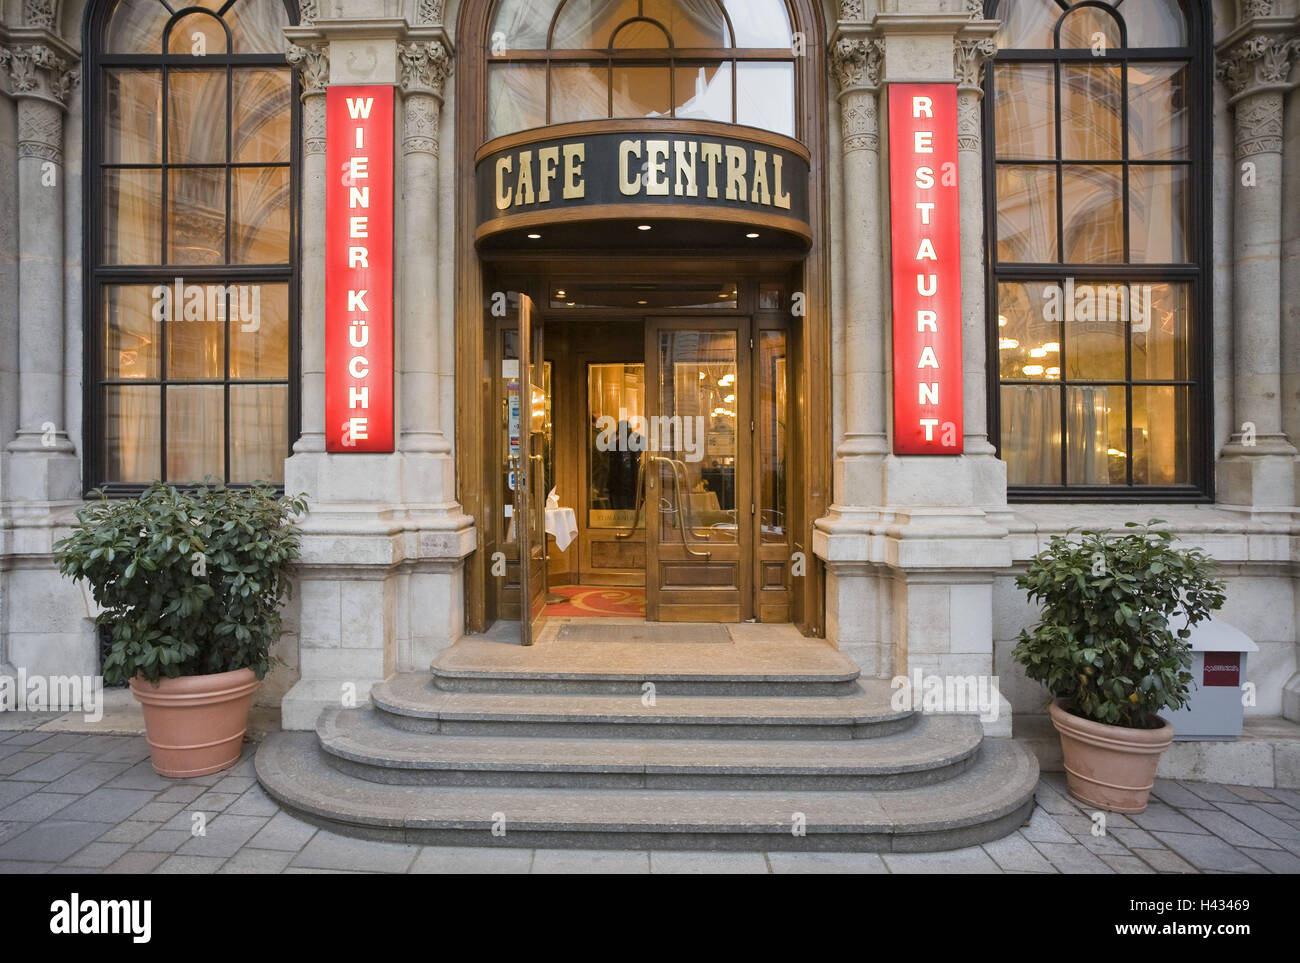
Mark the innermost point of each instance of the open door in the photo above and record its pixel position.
(528, 469)
(697, 495)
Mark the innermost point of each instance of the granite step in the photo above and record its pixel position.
(989, 799)
(749, 667)
(359, 742)
(412, 702)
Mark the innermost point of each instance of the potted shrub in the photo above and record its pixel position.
(1112, 649)
(190, 583)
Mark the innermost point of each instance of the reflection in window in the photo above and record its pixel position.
(1093, 173)
(571, 60)
(615, 408)
(193, 364)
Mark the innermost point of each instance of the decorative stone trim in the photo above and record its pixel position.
(852, 10)
(430, 11)
(969, 123)
(975, 8)
(420, 133)
(856, 63)
(308, 12)
(36, 71)
(424, 66)
(1250, 9)
(1258, 128)
(968, 57)
(1256, 64)
(312, 61)
(860, 124)
(40, 130)
(313, 125)
(38, 13)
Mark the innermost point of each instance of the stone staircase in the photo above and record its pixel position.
(740, 749)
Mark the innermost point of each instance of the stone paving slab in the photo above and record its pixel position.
(95, 805)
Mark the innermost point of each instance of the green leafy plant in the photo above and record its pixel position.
(190, 581)
(1117, 612)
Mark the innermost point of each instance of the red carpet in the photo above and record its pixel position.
(595, 600)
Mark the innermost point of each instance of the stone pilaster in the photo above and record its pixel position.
(43, 468)
(856, 60)
(1257, 467)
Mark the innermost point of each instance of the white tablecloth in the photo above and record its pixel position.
(563, 524)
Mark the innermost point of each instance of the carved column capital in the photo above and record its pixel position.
(1256, 63)
(968, 58)
(430, 11)
(420, 128)
(425, 66)
(37, 71)
(311, 60)
(860, 122)
(856, 63)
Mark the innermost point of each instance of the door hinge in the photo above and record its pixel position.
(751, 509)
(751, 344)
(751, 426)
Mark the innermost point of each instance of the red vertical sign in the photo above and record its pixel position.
(359, 269)
(925, 232)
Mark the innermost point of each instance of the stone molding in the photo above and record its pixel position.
(424, 66)
(1258, 128)
(852, 11)
(856, 63)
(420, 130)
(311, 60)
(308, 12)
(860, 123)
(1260, 61)
(968, 58)
(975, 9)
(40, 130)
(38, 71)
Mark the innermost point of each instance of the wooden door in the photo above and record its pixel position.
(696, 470)
(528, 466)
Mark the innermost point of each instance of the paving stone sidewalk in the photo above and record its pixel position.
(77, 803)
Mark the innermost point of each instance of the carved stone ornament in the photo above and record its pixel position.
(968, 121)
(430, 11)
(39, 13)
(308, 12)
(425, 65)
(312, 61)
(1259, 125)
(40, 130)
(975, 9)
(860, 123)
(420, 135)
(37, 71)
(968, 58)
(1256, 62)
(857, 61)
(1250, 9)
(313, 125)
(851, 10)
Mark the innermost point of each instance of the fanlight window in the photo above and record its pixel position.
(557, 61)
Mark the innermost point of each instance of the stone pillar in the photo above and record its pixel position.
(1256, 467)
(43, 467)
(856, 63)
(311, 60)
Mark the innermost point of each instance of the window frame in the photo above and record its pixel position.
(1197, 272)
(668, 57)
(97, 275)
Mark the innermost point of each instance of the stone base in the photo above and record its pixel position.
(303, 704)
(1291, 699)
(1261, 477)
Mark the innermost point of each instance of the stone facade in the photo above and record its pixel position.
(920, 553)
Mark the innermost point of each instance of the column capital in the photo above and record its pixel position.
(968, 57)
(1258, 57)
(39, 68)
(856, 61)
(311, 61)
(424, 66)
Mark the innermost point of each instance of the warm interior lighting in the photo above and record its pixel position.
(1002, 320)
(1032, 369)
(1054, 346)
(559, 293)
(1056, 373)
(752, 234)
(729, 399)
(643, 227)
(1007, 344)
(534, 237)
(1038, 352)
(727, 379)
(1116, 453)
(642, 301)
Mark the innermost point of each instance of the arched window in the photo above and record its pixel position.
(1097, 133)
(555, 61)
(190, 251)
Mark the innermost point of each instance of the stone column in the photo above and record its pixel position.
(311, 61)
(43, 465)
(429, 472)
(856, 63)
(1257, 467)
(969, 56)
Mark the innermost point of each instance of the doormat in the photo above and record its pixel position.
(707, 632)
(597, 600)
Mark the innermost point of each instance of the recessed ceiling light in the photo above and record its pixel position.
(559, 293)
(752, 234)
(641, 301)
(643, 227)
(568, 304)
(534, 237)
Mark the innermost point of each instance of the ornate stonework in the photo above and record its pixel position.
(852, 11)
(1259, 125)
(312, 61)
(430, 11)
(1255, 8)
(308, 12)
(860, 123)
(856, 62)
(40, 130)
(975, 8)
(313, 125)
(38, 13)
(968, 58)
(969, 127)
(420, 135)
(424, 66)
(1259, 61)
(36, 71)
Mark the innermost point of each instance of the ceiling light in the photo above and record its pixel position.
(729, 399)
(1007, 344)
(752, 234)
(559, 293)
(643, 227)
(534, 237)
(1002, 320)
(1056, 373)
(1052, 346)
(1038, 352)
(641, 301)
(1032, 369)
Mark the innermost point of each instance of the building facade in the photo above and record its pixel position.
(654, 248)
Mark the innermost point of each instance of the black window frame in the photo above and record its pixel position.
(1197, 272)
(97, 275)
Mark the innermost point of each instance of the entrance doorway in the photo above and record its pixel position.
(660, 443)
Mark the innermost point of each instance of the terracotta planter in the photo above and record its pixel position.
(1110, 767)
(195, 723)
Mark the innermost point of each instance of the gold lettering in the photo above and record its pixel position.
(628, 185)
(760, 194)
(684, 168)
(504, 193)
(574, 186)
(737, 162)
(524, 186)
(549, 158)
(657, 165)
(712, 154)
(778, 190)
